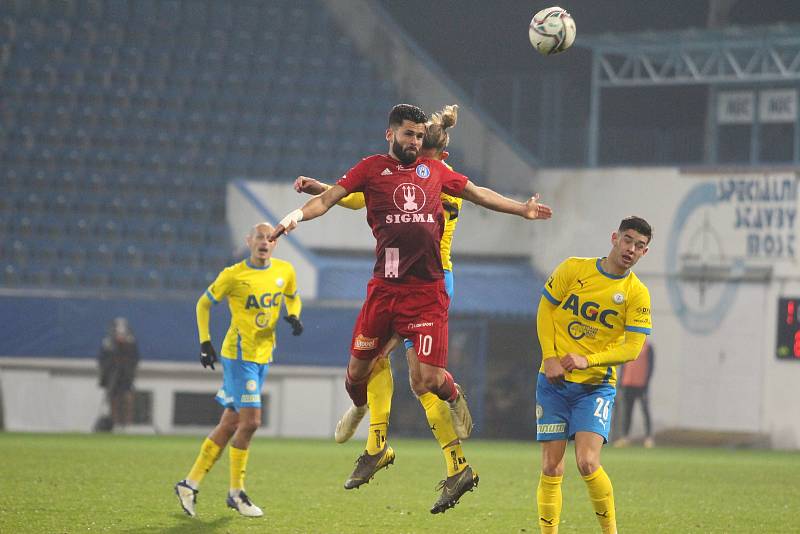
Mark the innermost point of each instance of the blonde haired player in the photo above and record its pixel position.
(594, 313)
(255, 289)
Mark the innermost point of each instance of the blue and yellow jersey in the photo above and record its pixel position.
(451, 205)
(254, 297)
(601, 316)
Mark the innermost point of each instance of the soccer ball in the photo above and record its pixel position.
(552, 30)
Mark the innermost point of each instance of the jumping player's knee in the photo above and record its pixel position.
(440, 383)
(423, 382)
(431, 382)
(417, 387)
(358, 371)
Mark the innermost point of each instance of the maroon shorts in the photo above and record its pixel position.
(416, 311)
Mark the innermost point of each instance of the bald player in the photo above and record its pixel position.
(255, 289)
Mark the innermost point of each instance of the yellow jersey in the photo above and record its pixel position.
(254, 297)
(592, 311)
(451, 205)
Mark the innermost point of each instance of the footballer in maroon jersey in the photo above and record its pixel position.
(404, 210)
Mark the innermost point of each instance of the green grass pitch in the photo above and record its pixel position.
(58, 483)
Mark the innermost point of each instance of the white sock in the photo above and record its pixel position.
(192, 483)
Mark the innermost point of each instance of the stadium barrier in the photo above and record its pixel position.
(63, 395)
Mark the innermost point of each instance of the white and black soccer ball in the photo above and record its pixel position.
(552, 31)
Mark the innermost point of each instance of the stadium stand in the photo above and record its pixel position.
(122, 120)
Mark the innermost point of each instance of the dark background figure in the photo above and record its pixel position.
(119, 356)
(633, 385)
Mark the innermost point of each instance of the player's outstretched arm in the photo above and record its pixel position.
(312, 186)
(483, 196)
(315, 207)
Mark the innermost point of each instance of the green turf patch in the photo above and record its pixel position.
(60, 483)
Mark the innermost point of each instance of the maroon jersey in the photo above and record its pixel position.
(404, 210)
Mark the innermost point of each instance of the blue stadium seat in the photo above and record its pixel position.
(66, 276)
(73, 253)
(38, 275)
(10, 274)
(18, 250)
(116, 11)
(95, 276)
(8, 30)
(149, 279)
(144, 12)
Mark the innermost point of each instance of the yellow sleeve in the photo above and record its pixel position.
(555, 289)
(552, 294)
(215, 292)
(291, 297)
(221, 286)
(203, 310)
(625, 352)
(452, 207)
(637, 313)
(353, 201)
(546, 328)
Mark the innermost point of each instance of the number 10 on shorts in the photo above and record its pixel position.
(425, 344)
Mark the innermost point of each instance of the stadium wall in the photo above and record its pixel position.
(725, 249)
(165, 328)
(49, 372)
(62, 395)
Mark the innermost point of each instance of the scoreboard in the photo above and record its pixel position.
(787, 346)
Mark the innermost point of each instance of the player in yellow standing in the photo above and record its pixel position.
(594, 314)
(255, 289)
(380, 386)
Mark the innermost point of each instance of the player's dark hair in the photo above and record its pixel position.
(436, 135)
(637, 224)
(406, 112)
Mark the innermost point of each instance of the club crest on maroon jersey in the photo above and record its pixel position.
(409, 198)
(423, 171)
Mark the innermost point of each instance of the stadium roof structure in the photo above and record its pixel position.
(716, 57)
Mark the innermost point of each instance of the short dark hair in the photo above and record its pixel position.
(406, 112)
(637, 224)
